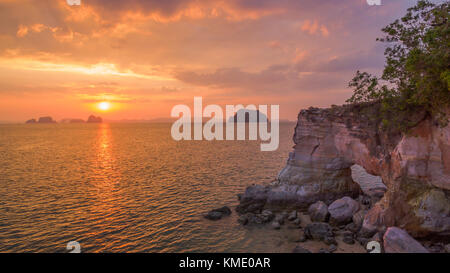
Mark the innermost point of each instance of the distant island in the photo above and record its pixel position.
(47, 120)
(246, 114)
(41, 120)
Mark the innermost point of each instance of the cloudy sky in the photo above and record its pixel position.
(146, 56)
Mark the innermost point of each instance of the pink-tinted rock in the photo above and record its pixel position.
(415, 168)
(342, 210)
(318, 212)
(397, 240)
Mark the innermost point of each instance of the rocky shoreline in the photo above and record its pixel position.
(409, 211)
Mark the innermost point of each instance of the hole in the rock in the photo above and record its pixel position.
(365, 180)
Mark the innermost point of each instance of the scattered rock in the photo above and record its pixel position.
(332, 248)
(348, 240)
(292, 216)
(213, 215)
(280, 218)
(267, 215)
(358, 219)
(342, 210)
(373, 222)
(299, 249)
(318, 231)
(397, 240)
(255, 208)
(318, 212)
(329, 240)
(297, 222)
(243, 220)
(275, 225)
(302, 237)
(363, 241)
(224, 210)
(352, 227)
(447, 248)
(323, 250)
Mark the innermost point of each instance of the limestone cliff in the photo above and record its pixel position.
(415, 168)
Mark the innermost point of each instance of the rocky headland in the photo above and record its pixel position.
(411, 204)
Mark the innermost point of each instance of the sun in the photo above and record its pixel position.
(104, 105)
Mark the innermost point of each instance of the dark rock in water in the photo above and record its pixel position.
(299, 249)
(318, 231)
(217, 214)
(46, 120)
(31, 121)
(342, 210)
(397, 240)
(318, 212)
(213, 215)
(94, 119)
(224, 210)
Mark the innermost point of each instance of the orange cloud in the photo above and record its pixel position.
(314, 28)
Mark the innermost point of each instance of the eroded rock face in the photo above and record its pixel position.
(415, 168)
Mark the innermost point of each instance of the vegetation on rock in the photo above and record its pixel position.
(416, 77)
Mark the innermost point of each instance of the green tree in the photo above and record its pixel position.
(416, 76)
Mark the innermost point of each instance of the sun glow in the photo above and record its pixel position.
(104, 105)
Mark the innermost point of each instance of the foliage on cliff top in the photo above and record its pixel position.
(416, 76)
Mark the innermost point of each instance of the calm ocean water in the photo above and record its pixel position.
(128, 188)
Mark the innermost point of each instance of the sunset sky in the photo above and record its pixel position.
(144, 57)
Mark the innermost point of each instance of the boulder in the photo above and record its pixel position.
(217, 214)
(275, 225)
(318, 212)
(358, 219)
(299, 249)
(213, 215)
(397, 240)
(292, 216)
(342, 210)
(332, 248)
(447, 248)
(318, 231)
